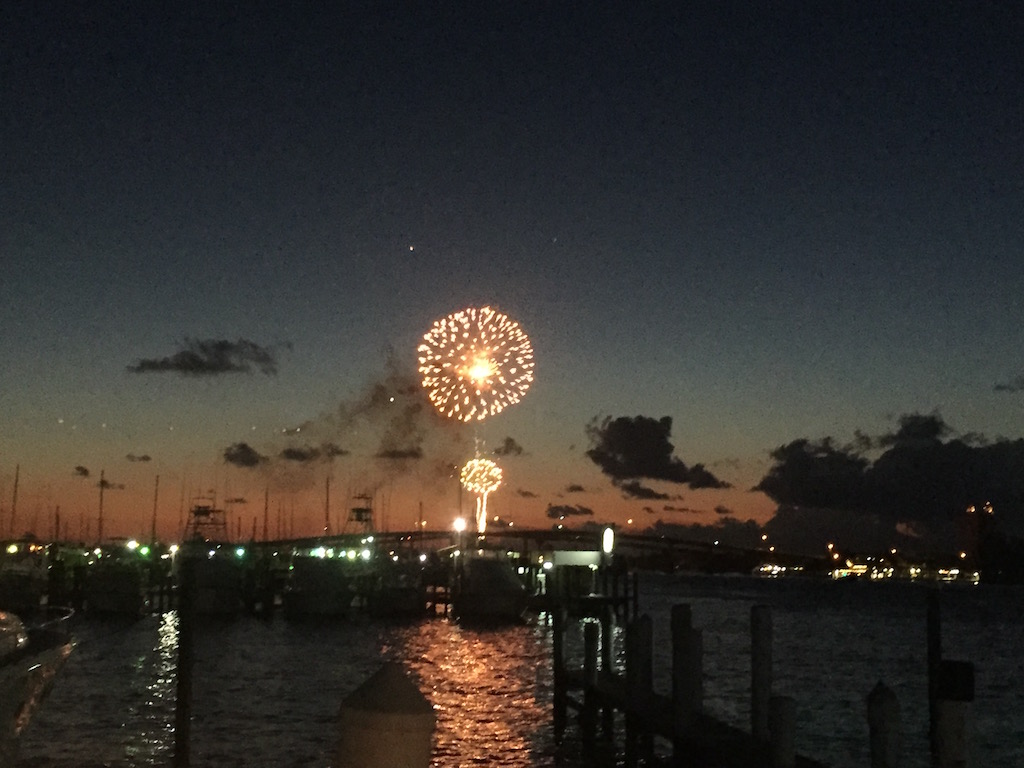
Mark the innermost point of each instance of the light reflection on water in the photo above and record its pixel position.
(268, 693)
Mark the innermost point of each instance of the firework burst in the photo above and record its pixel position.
(475, 363)
(482, 477)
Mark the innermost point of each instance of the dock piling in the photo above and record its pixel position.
(884, 727)
(761, 670)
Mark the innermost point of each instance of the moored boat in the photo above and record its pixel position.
(30, 659)
(487, 589)
(317, 587)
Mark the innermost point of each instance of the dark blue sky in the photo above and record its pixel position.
(767, 221)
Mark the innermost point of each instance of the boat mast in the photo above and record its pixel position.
(99, 525)
(156, 495)
(14, 501)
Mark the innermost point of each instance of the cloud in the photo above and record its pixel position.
(236, 500)
(525, 494)
(212, 357)
(721, 509)
(308, 453)
(575, 488)
(639, 447)
(143, 457)
(634, 490)
(109, 485)
(558, 511)
(509, 447)
(924, 478)
(686, 510)
(81, 471)
(1016, 385)
(243, 455)
(399, 454)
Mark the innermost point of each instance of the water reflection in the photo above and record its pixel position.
(491, 689)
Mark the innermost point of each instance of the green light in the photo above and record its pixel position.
(144, 550)
(240, 552)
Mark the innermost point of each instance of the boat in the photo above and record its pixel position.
(487, 589)
(399, 590)
(116, 581)
(317, 587)
(215, 564)
(30, 659)
(23, 576)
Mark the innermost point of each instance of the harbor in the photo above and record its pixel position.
(553, 671)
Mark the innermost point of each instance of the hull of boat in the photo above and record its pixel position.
(26, 678)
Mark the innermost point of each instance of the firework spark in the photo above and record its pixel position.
(475, 363)
(482, 477)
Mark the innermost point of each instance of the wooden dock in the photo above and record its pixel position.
(604, 699)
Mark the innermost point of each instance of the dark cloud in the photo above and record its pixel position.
(109, 485)
(243, 455)
(236, 500)
(639, 447)
(400, 454)
(575, 488)
(81, 471)
(686, 510)
(558, 511)
(923, 478)
(523, 493)
(721, 509)
(144, 457)
(509, 447)
(1017, 385)
(916, 428)
(330, 450)
(303, 454)
(634, 490)
(212, 357)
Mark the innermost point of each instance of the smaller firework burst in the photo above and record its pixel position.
(482, 477)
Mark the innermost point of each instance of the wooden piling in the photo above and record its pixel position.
(782, 731)
(639, 689)
(934, 626)
(687, 669)
(761, 670)
(607, 660)
(589, 716)
(183, 702)
(558, 670)
(884, 727)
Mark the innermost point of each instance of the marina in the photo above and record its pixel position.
(266, 685)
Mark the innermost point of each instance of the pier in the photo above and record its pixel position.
(619, 710)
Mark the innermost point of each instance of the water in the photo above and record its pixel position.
(267, 693)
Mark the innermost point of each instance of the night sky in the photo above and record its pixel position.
(227, 226)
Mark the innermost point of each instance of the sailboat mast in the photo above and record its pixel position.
(99, 525)
(14, 501)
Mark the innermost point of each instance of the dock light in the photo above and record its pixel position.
(365, 554)
(548, 565)
(210, 554)
(144, 551)
(240, 552)
(320, 552)
(12, 549)
(132, 545)
(98, 552)
(459, 525)
(423, 557)
(608, 540)
(173, 549)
